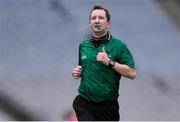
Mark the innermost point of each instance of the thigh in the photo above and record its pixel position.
(107, 113)
(81, 110)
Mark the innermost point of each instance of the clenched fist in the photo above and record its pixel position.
(76, 72)
(103, 57)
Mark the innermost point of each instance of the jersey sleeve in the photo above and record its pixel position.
(79, 60)
(126, 56)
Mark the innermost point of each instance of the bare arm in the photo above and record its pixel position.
(124, 70)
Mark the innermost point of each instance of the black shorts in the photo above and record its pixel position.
(93, 111)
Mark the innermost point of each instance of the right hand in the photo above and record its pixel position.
(76, 72)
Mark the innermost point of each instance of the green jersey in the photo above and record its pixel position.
(100, 83)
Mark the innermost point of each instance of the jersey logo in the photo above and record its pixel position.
(83, 57)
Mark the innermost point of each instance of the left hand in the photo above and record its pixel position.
(103, 57)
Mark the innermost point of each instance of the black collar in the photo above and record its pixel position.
(102, 40)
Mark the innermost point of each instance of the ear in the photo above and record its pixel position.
(90, 26)
(108, 24)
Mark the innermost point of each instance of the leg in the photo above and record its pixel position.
(81, 110)
(106, 112)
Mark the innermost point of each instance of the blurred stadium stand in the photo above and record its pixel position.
(172, 8)
(39, 47)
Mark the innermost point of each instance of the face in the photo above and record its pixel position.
(98, 21)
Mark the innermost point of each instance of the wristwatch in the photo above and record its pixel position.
(111, 63)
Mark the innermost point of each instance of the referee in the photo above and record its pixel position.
(103, 59)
